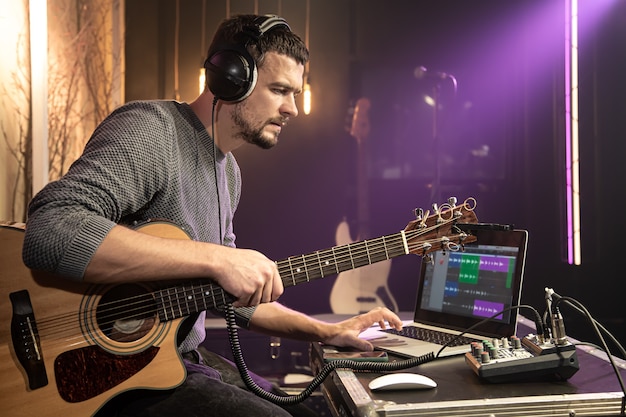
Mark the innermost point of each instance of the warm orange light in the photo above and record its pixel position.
(39, 90)
(306, 107)
(201, 80)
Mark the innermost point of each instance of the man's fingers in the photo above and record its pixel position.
(277, 287)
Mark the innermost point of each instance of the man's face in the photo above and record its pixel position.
(259, 118)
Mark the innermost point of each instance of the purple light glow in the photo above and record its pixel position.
(568, 133)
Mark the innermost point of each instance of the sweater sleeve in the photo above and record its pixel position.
(123, 166)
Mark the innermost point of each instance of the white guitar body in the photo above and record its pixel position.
(359, 290)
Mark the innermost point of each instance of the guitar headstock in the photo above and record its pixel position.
(439, 230)
(360, 127)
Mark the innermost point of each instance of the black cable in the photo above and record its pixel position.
(600, 326)
(319, 378)
(594, 324)
(217, 185)
(538, 324)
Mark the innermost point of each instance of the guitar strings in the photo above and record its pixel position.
(343, 258)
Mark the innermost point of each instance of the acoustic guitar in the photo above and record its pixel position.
(67, 347)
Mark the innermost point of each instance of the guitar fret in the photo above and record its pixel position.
(293, 278)
(350, 255)
(175, 303)
(298, 274)
(306, 270)
(373, 251)
(367, 250)
(211, 292)
(385, 245)
(364, 258)
(180, 302)
(335, 260)
(345, 260)
(319, 262)
(183, 303)
(171, 306)
(190, 299)
(159, 302)
(203, 297)
(224, 299)
(165, 306)
(195, 299)
(357, 254)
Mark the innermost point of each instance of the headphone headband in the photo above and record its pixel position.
(270, 21)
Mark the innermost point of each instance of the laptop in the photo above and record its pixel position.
(459, 289)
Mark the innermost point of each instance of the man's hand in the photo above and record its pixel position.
(249, 276)
(347, 332)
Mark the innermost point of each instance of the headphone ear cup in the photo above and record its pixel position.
(231, 74)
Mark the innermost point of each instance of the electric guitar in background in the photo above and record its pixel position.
(66, 347)
(362, 289)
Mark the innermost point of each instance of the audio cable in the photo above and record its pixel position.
(539, 324)
(359, 366)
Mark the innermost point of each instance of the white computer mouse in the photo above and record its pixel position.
(401, 381)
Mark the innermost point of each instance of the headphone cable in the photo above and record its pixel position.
(217, 187)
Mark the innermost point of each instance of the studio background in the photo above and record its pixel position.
(508, 61)
(500, 135)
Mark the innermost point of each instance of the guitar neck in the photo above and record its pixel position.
(183, 300)
(298, 269)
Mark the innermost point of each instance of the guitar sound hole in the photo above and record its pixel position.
(126, 313)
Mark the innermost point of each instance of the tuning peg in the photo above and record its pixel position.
(419, 213)
(461, 234)
(437, 211)
(453, 246)
(424, 218)
(456, 210)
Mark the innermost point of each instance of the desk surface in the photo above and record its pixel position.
(594, 390)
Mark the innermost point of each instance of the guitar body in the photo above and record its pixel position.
(359, 290)
(79, 363)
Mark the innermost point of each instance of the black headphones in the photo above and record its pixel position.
(231, 72)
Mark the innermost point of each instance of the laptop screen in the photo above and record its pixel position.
(458, 289)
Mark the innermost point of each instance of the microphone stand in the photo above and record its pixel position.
(435, 192)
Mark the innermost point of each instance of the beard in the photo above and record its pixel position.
(251, 134)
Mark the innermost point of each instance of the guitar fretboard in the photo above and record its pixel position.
(183, 300)
(298, 269)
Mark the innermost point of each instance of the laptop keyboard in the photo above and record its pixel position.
(429, 335)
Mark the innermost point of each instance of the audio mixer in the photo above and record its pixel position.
(528, 358)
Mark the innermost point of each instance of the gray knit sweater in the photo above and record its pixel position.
(147, 160)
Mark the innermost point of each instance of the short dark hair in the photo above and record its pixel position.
(280, 39)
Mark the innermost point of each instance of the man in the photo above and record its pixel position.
(171, 160)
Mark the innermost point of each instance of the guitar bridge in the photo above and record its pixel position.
(25, 339)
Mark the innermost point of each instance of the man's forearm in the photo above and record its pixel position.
(128, 255)
(278, 320)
